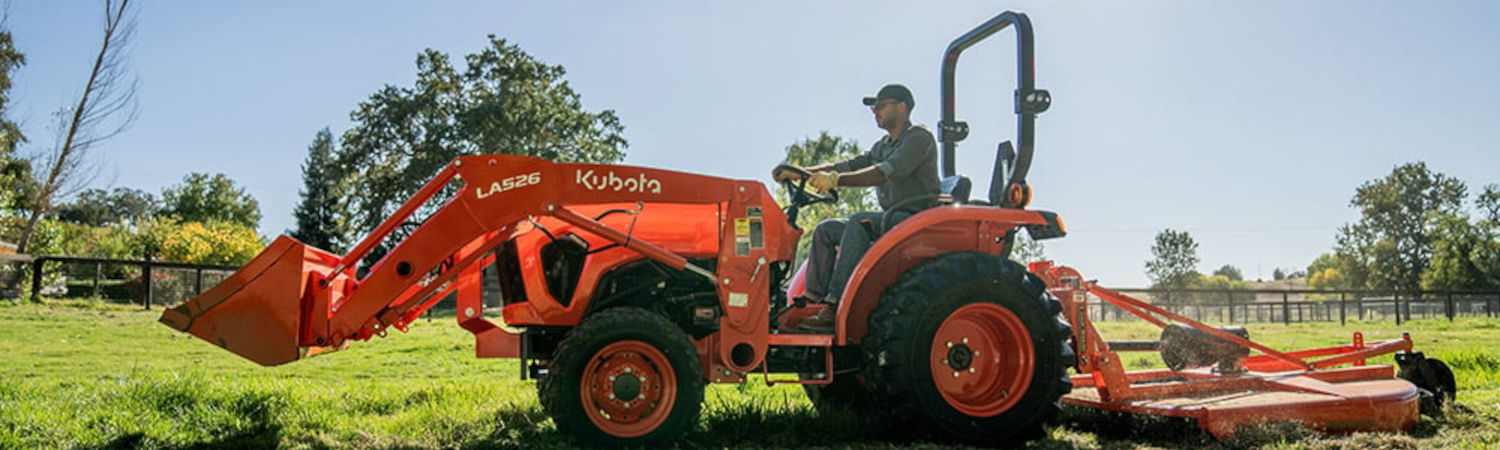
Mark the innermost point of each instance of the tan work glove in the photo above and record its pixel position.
(824, 181)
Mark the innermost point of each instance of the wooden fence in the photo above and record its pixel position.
(149, 269)
(1309, 305)
(1205, 305)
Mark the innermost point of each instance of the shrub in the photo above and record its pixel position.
(216, 242)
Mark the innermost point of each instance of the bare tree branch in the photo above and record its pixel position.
(106, 108)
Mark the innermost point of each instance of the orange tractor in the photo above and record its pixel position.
(626, 289)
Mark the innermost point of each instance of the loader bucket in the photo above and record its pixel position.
(257, 312)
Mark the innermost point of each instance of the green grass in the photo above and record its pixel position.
(83, 373)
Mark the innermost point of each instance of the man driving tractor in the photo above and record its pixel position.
(901, 165)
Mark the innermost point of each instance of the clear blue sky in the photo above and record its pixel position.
(1248, 124)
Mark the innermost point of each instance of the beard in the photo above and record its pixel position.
(888, 122)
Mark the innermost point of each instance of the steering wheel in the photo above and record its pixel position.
(800, 195)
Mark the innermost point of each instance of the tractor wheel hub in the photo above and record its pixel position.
(960, 357)
(626, 387)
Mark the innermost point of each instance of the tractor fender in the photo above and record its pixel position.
(928, 234)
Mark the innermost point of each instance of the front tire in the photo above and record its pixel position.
(624, 377)
(968, 347)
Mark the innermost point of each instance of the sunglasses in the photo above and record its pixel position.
(882, 104)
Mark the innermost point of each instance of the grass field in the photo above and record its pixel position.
(83, 373)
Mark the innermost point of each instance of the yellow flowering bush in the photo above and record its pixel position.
(214, 242)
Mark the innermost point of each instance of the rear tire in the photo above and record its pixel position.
(624, 377)
(942, 351)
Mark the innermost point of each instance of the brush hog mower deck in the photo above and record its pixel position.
(624, 290)
(1212, 378)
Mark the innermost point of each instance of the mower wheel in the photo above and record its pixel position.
(624, 377)
(969, 347)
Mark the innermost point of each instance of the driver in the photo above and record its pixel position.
(901, 165)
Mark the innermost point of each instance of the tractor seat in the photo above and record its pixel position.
(952, 190)
(957, 187)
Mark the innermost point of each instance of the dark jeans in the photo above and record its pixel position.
(837, 246)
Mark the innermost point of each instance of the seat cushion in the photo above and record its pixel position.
(957, 186)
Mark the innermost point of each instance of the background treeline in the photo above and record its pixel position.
(1418, 229)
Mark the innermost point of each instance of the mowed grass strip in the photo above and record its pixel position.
(84, 373)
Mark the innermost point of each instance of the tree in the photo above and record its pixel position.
(204, 198)
(504, 101)
(1278, 274)
(1174, 261)
(1230, 272)
(1329, 271)
(1218, 282)
(317, 215)
(1487, 255)
(97, 207)
(10, 60)
(1466, 255)
(12, 170)
(818, 150)
(1456, 245)
(90, 208)
(105, 108)
(1027, 250)
(1489, 204)
(1391, 240)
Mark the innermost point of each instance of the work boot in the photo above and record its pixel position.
(822, 321)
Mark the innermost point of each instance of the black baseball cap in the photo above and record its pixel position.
(893, 91)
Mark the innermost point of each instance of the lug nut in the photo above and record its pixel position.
(955, 374)
(950, 344)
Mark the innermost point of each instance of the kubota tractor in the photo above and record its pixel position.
(632, 287)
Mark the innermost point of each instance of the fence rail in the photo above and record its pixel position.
(147, 266)
(1205, 305)
(1309, 305)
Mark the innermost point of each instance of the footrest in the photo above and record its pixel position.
(800, 339)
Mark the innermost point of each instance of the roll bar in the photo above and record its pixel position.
(1029, 100)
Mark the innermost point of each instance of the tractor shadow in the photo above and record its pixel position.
(752, 425)
(1115, 430)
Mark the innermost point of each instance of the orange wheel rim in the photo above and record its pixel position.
(628, 389)
(982, 359)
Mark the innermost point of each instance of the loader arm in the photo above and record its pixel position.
(293, 301)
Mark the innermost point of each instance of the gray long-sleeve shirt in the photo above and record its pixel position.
(908, 162)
